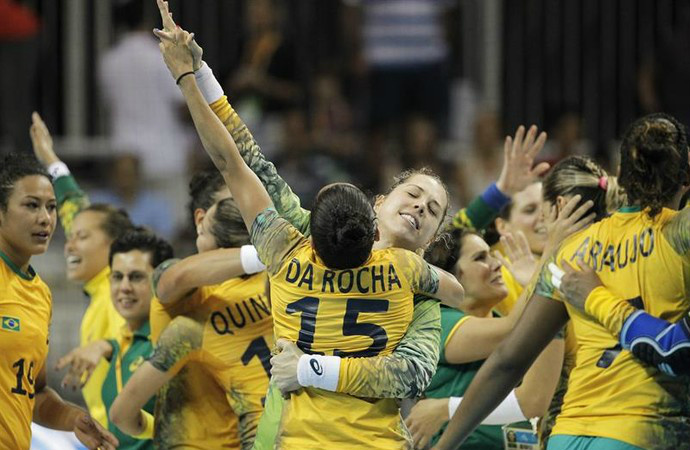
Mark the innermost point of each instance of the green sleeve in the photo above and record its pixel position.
(407, 371)
(677, 232)
(478, 215)
(274, 238)
(71, 199)
(286, 202)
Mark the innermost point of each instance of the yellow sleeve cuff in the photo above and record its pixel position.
(148, 426)
(608, 309)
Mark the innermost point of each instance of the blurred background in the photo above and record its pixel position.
(334, 90)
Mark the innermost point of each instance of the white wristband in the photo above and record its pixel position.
(507, 412)
(453, 404)
(319, 371)
(58, 169)
(208, 85)
(249, 258)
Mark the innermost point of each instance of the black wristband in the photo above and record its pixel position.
(191, 72)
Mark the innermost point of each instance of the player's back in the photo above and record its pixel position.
(359, 312)
(25, 309)
(610, 393)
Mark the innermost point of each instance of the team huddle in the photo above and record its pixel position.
(559, 294)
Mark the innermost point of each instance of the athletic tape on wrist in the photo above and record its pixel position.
(319, 371)
(249, 258)
(453, 404)
(208, 85)
(58, 169)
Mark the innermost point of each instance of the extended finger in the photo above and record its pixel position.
(504, 262)
(164, 35)
(580, 211)
(584, 267)
(509, 246)
(62, 362)
(581, 224)
(567, 268)
(281, 344)
(517, 140)
(522, 243)
(540, 169)
(536, 147)
(569, 206)
(529, 140)
(166, 17)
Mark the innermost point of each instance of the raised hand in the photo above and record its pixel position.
(518, 158)
(81, 362)
(93, 435)
(563, 223)
(170, 26)
(42, 141)
(174, 46)
(520, 261)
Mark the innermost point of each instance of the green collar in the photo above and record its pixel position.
(27, 276)
(144, 331)
(630, 209)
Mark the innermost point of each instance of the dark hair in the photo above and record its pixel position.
(228, 227)
(202, 190)
(13, 167)
(445, 251)
(343, 226)
(143, 240)
(115, 222)
(405, 175)
(654, 161)
(579, 175)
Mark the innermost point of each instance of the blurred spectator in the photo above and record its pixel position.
(19, 27)
(401, 47)
(663, 78)
(144, 207)
(267, 82)
(478, 166)
(566, 137)
(145, 105)
(305, 165)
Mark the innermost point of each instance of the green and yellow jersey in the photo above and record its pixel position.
(359, 312)
(25, 312)
(610, 394)
(191, 410)
(226, 329)
(101, 320)
(130, 350)
(452, 380)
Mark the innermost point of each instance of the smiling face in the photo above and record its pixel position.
(130, 286)
(87, 247)
(28, 223)
(410, 215)
(526, 216)
(479, 272)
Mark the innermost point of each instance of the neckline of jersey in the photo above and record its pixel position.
(630, 209)
(27, 276)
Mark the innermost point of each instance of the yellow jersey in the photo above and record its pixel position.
(360, 312)
(100, 321)
(25, 312)
(610, 394)
(227, 330)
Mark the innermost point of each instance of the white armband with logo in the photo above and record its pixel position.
(208, 85)
(507, 412)
(319, 371)
(249, 258)
(58, 169)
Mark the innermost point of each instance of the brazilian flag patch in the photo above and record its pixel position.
(10, 323)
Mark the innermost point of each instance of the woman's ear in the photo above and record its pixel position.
(378, 201)
(199, 215)
(502, 226)
(560, 203)
(377, 235)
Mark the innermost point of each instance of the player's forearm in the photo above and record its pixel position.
(536, 391)
(126, 411)
(406, 372)
(198, 270)
(286, 202)
(53, 412)
(608, 309)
